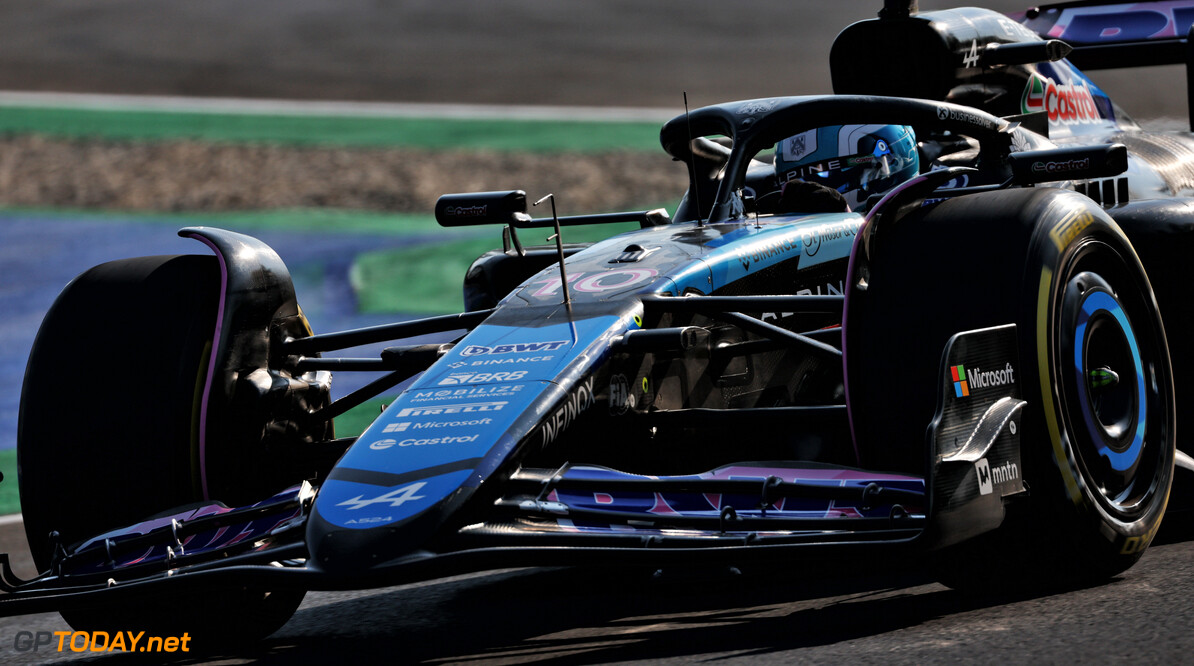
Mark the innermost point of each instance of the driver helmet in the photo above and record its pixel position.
(856, 160)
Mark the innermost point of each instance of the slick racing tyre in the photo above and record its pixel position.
(109, 423)
(1097, 429)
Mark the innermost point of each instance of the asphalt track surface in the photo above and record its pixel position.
(625, 53)
(860, 612)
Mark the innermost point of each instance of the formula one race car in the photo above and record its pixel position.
(911, 319)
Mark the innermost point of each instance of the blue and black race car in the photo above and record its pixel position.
(936, 314)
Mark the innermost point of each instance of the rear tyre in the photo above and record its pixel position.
(108, 427)
(1098, 428)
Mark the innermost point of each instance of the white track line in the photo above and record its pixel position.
(11, 519)
(282, 107)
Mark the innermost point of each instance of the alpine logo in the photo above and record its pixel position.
(396, 497)
(517, 348)
(977, 378)
(989, 477)
(1065, 104)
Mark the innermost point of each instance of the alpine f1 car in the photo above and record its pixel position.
(915, 318)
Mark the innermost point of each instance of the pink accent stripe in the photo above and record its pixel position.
(801, 474)
(211, 365)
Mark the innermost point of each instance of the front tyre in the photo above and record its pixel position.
(1097, 432)
(109, 428)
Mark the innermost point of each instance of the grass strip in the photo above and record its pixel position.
(428, 279)
(322, 220)
(10, 496)
(427, 133)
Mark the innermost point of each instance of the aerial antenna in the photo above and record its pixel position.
(559, 248)
(692, 172)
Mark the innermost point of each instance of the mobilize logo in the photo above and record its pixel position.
(489, 391)
(989, 477)
(516, 348)
(458, 378)
(977, 378)
(396, 497)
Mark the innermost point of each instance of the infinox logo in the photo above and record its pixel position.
(575, 403)
(1065, 104)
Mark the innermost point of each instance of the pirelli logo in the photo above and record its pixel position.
(1069, 227)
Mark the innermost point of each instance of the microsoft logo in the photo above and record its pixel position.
(958, 372)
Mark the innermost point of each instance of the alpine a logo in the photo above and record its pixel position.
(1065, 104)
(966, 381)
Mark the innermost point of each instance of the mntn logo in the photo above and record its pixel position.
(958, 373)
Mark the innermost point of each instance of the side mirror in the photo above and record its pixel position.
(1076, 163)
(476, 208)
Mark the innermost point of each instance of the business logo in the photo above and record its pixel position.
(1065, 104)
(962, 115)
(1061, 167)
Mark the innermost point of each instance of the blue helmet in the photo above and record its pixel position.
(856, 160)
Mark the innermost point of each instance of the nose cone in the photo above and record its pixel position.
(362, 519)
